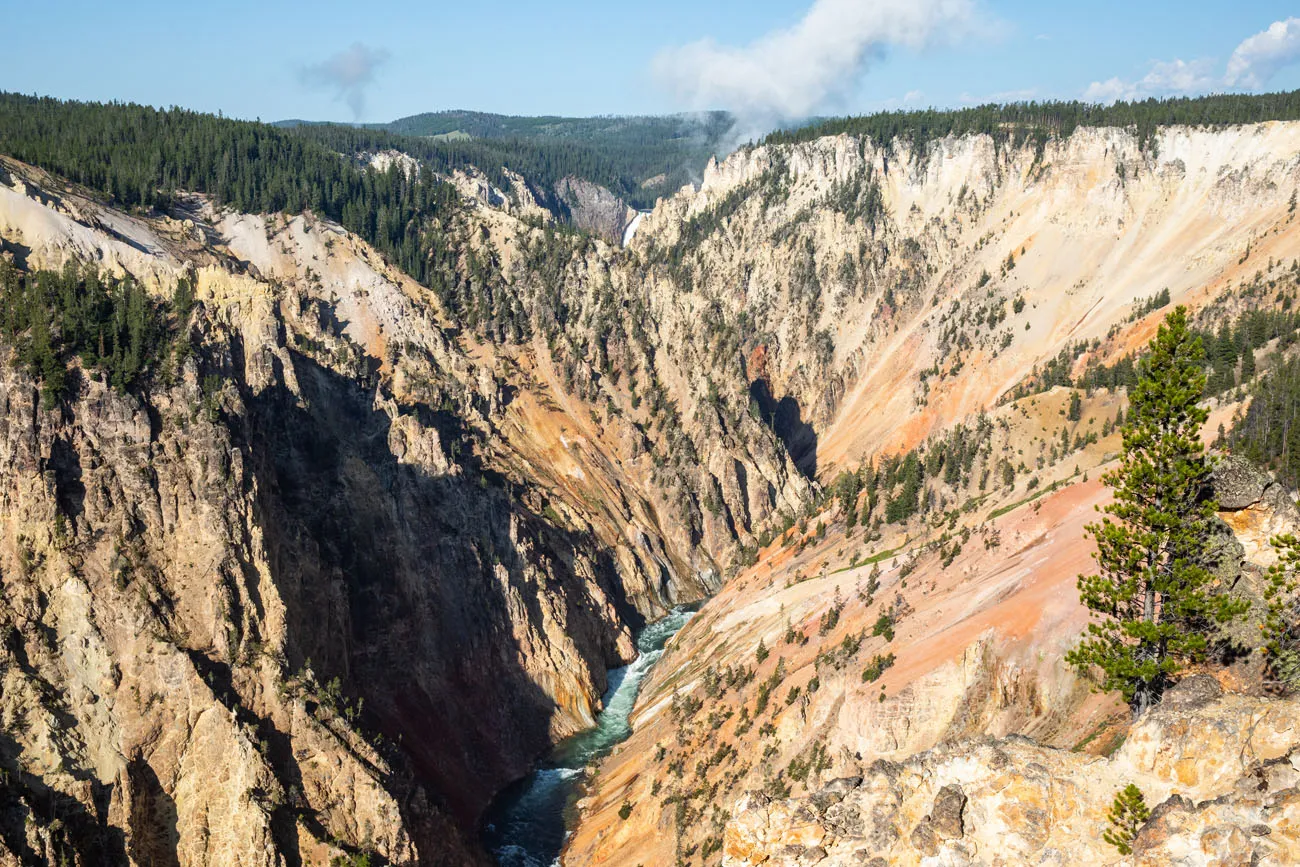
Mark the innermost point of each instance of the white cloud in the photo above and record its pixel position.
(794, 72)
(349, 73)
(1171, 78)
(1108, 91)
(910, 99)
(1257, 58)
(1001, 97)
(1252, 65)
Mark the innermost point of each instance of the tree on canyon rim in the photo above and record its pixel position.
(1154, 599)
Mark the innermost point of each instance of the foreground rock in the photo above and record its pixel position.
(1220, 771)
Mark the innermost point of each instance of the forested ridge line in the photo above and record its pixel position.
(1038, 122)
(139, 157)
(639, 158)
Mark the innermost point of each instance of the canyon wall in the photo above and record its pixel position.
(354, 562)
(331, 582)
(899, 296)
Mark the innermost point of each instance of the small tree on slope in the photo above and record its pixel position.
(1153, 600)
(1127, 815)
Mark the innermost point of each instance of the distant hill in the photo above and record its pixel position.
(639, 158)
(678, 130)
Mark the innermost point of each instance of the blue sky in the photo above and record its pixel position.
(380, 61)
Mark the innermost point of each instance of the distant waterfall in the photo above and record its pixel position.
(632, 227)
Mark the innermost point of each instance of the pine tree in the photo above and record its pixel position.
(906, 504)
(1153, 600)
(1281, 626)
(1247, 364)
(1076, 407)
(1127, 815)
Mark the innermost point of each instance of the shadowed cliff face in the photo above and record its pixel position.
(351, 616)
(410, 587)
(786, 420)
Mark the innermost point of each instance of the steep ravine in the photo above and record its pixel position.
(529, 824)
(215, 579)
(326, 597)
(360, 562)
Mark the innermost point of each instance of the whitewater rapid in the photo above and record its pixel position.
(530, 821)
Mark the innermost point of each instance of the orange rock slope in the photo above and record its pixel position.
(732, 742)
(844, 646)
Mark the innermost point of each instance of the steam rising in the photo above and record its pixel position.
(793, 73)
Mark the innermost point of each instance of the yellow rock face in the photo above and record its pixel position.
(1025, 804)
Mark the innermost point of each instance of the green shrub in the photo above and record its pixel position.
(1127, 815)
(876, 667)
(884, 626)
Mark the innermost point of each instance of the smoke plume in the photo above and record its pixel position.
(349, 73)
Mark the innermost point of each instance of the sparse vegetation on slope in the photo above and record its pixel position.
(1230, 345)
(1281, 627)
(1267, 433)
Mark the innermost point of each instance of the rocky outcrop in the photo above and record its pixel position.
(1254, 505)
(383, 160)
(595, 209)
(148, 686)
(1220, 771)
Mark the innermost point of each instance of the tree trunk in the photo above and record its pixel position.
(1141, 700)
(1148, 692)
